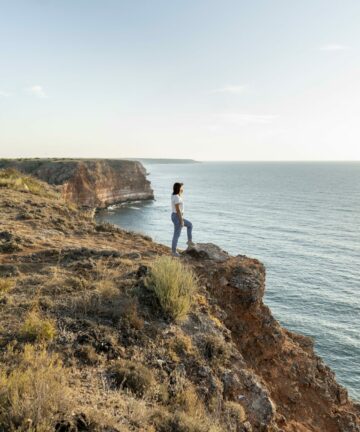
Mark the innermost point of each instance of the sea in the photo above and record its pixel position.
(301, 219)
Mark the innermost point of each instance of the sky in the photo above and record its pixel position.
(200, 79)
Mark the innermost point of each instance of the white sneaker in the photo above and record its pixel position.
(175, 255)
(190, 243)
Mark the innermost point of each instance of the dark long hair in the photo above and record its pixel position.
(176, 188)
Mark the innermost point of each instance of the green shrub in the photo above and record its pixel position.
(33, 391)
(36, 328)
(174, 285)
(132, 376)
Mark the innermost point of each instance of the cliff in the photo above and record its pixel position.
(94, 183)
(86, 346)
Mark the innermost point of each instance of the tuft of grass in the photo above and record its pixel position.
(131, 314)
(234, 414)
(37, 329)
(132, 376)
(174, 285)
(13, 179)
(188, 401)
(216, 350)
(106, 289)
(6, 285)
(33, 390)
(87, 355)
(182, 422)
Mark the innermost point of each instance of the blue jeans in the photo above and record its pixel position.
(177, 230)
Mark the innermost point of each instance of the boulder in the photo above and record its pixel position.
(208, 251)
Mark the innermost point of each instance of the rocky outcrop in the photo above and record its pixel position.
(296, 390)
(95, 183)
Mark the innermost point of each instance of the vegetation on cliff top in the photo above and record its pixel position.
(13, 179)
(102, 331)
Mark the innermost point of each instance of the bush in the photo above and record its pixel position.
(182, 422)
(36, 328)
(32, 391)
(234, 414)
(132, 376)
(174, 285)
(216, 350)
(5, 286)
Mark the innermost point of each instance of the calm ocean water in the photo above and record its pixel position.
(302, 220)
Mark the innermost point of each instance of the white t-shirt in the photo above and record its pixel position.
(176, 199)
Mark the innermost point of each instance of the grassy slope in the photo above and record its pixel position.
(78, 289)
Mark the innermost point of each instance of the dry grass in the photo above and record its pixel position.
(32, 391)
(131, 314)
(36, 328)
(14, 179)
(180, 347)
(188, 401)
(106, 289)
(101, 296)
(132, 376)
(174, 285)
(234, 414)
(182, 422)
(6, 285)
(215, 350)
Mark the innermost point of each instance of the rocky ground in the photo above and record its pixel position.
(86, 346)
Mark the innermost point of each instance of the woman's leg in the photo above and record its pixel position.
(177, 232)
(189, 227)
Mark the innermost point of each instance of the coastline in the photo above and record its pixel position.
(283, 384)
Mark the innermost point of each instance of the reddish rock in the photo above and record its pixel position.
(95, 183)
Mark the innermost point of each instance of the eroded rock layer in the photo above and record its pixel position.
(95, 183)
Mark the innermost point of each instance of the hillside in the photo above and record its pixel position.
(87, 342)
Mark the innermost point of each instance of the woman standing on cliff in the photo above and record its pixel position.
(177, 216)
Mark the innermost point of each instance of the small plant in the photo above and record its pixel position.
(234, 414)
(174, 285)
(132, 376)
(33, 391)
(188, 401)
(183, 344)
(181, 422)
(179, 347)
(87, 355)
(106, 289)
(36, 328)
(131, 314)
(5, 286)
(215, 349)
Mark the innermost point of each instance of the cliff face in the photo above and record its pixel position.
(229, 366)
(89, 183)
(299, 391)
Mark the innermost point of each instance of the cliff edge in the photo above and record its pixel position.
(86, 346)
(95, 183)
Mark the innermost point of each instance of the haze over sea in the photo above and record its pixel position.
(302, 220)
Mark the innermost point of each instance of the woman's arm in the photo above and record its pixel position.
(178, 212)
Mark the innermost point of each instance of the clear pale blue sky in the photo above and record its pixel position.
(203, 79)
